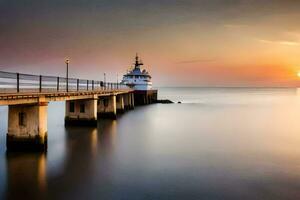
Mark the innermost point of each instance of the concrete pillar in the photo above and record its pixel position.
(120, 104)
(81, 112)
(126, 101)
(107, 107)
(27, 127)
(132, 100)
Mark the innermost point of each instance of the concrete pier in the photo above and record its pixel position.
(27, 113)
(120, 103)
(27, 127)
(27, 97)
(107, 107)
(145, 97)
(132, 100)
(81, 112)
(127, 101)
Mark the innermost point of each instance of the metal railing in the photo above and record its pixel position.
(18, 82)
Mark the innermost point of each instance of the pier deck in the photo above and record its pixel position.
(27, 97)
(34, 97)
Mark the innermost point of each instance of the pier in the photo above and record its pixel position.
(27, 97)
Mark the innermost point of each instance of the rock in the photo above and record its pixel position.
(164, 101)
(179, 101)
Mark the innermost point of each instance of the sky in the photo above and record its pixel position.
(182, 43)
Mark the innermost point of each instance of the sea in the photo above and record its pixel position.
(218, 143)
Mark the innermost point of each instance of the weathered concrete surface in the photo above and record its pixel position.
(107, 107)
(132, 100)
(27, 127)
(120, 103)
(81, 112)
(126, 98)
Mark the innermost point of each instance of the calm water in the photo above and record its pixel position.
(217, 144)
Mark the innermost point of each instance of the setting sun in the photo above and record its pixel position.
(298, 74)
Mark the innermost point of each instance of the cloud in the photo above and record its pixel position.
(196, 61)
(235, 25)
(293, 34)
(281, 42)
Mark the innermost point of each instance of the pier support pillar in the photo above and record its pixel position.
(81, 112)
(132, 100)
(27, 127)
(120, 104)
(145, 97)
(126, 101)
(107, 107)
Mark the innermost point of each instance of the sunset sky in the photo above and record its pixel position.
(182, 43)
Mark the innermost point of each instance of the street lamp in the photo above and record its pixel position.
(67, 75)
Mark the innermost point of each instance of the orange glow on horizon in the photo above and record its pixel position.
(188, 51)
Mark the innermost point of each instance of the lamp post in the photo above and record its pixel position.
(67, 75)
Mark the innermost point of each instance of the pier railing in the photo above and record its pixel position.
(19, 82)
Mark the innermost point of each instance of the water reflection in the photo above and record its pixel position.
(94, 142)
(109, 129)
(85, 148)
(235, 144)
(27, 172)
(42, 170)
(26, 175)
(81, 147)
